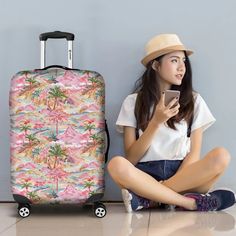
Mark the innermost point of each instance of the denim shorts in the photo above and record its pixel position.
(160, 170)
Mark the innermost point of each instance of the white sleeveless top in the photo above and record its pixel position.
(167, 144)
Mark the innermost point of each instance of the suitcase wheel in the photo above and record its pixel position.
(24, 210)
(100, 210)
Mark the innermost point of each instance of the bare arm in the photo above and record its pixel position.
(195, 151)
(135, 149)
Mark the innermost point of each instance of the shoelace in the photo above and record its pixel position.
(207, 203)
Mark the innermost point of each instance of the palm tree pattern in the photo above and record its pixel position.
(57, 135)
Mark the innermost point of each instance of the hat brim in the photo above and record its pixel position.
(164, 51)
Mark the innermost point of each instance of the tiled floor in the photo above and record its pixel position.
(73, 220)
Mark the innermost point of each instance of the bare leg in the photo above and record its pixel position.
(126, 175)
(201, 175)
(205, 187)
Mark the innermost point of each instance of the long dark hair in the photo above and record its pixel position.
(148, 96)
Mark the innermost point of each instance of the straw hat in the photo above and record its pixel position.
(163, 44)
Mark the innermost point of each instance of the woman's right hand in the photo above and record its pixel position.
(163, 113)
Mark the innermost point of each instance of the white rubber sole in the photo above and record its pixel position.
(127, 197)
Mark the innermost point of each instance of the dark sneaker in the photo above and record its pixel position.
(213, 201)
(133, 202)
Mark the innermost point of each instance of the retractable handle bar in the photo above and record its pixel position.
(56, 35)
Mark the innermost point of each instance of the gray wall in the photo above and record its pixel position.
(110, 38)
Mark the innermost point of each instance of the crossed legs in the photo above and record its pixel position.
(199, 177)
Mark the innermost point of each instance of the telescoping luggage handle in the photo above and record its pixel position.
(56, 35)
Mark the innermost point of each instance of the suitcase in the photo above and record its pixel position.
(58, 136)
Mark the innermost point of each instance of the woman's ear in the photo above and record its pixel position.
(155, 65)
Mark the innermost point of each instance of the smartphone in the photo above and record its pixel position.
(170, 95)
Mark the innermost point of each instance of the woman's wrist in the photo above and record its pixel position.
(154, 123)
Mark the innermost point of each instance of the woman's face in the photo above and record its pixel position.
(171, 68)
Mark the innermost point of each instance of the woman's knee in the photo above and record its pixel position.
(219, 159)
(118, 166)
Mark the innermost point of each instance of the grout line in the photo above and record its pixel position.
(1, 232)
(149, 219)
(7, 202)
(105, 201)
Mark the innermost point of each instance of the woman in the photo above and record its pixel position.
(162, 163)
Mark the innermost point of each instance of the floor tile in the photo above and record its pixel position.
(182, 223)
(71, 220)
(7, 215)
